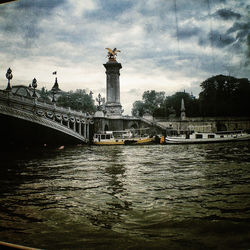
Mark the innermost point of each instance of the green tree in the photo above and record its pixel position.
(44, 94)
(158, 105)
(174, 103)
(138, 108)
(78, 100)
(220, 96)
(152, 103)
(153, 100)
(224, 96)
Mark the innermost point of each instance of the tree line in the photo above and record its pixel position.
(78, 100)
(220, 96)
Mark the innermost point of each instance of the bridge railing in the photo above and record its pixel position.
(34, 101)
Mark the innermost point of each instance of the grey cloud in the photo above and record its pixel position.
(23, 17)
(242, 29)
(248, 46)
(226, 14)
(43, 6)
(109, 9)
(216, 39)
(239, 26)
(221, 40)
(241, 32)
(187, 32)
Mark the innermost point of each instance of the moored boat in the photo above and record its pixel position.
(125, 137)
(196, 137)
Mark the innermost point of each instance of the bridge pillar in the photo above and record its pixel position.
(85, 130)
(87, 134)
(80, 128)
(113, 105)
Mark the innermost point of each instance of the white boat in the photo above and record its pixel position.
(197, 137)
(125, 137)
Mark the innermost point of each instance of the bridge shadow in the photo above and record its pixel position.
(19, 133)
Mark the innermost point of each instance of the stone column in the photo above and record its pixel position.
(113, 105)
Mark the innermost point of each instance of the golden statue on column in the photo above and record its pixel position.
(112, 53)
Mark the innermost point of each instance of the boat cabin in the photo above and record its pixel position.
(103, 136)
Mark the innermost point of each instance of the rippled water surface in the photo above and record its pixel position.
(127, 197)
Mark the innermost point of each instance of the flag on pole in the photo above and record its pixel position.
(54, 73)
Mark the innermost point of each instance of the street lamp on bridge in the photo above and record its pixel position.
(34, 86)
(100, 102)
(9, 76)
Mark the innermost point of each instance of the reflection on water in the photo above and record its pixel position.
(160, 196)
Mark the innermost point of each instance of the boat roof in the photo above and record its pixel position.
(121, 131)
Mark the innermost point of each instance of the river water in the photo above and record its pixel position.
(127, 197)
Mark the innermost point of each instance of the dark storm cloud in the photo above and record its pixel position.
(220, 40)
(248, 45)
(188, 32)
(226, 14)
(216, 39)
(242, 27)
(22, 17)
(241, 32)
(44, 6)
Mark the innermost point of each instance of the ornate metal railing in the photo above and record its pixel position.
(73, 123)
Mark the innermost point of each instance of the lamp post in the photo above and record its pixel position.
(34, 85)
(55, 89)
(100, 101)
(9, 76)
(53, 95)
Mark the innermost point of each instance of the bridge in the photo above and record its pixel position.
(26, 120)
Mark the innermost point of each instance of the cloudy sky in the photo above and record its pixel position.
(166, 45)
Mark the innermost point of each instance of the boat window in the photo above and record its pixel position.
(198, 136)
(211, 136)
(222, 136)
(102, 137)
(108, 137)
